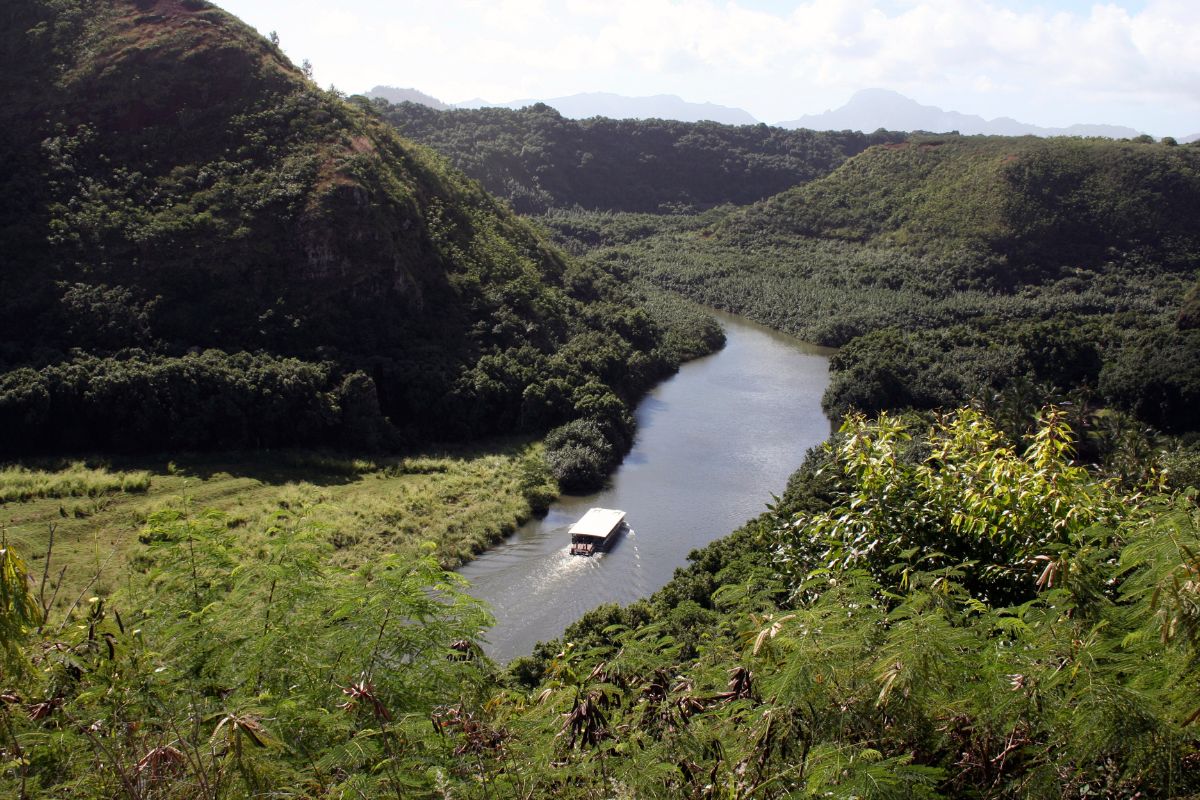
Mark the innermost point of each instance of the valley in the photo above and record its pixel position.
(299, 391)
(710, 439)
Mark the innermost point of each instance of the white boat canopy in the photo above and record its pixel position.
(598, 523)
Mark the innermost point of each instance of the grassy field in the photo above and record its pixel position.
(457, 501)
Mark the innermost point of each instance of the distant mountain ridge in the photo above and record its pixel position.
(589, 104)
(872, 109)
(538, 159)
(615, 106)
(395, 94)
(868, 110)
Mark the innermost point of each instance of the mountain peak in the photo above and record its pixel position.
(397, 95)
(879, 95)
(875, 108)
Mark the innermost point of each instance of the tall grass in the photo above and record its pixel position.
(452, 505)
(18, 484)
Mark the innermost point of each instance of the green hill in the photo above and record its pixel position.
(1072, 234)
(1036, 204)
(537, 159)
(177, 186)
(957, 268)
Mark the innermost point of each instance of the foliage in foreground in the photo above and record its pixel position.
(945, 614)
(227, 671)
(930, 611)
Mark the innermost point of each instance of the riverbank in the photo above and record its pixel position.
(460, 503)
(456, 501)
(714, 443)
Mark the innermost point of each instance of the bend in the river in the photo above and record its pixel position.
(713, 443)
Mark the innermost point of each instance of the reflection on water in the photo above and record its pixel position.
(713, 443)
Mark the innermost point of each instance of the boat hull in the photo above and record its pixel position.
(588, 546)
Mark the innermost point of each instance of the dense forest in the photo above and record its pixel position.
(986, 584)
(538, 160)
(203, 249)
(956, 267)
(953, 267)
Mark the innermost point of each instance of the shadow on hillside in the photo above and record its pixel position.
(284, 466)
(274, 467)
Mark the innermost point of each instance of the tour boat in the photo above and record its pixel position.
(596, 530)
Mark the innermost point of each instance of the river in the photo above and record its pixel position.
(713, 443)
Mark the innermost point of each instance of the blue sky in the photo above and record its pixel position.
(1126, 62)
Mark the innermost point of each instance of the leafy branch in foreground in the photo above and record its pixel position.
(951, 616)
(974, 619)
(20, 612)
(225, 670)
(958, 498)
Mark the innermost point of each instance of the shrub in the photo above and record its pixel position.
(1157, 377)
(579, 455)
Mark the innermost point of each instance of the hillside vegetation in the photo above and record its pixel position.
(1014, 270)
(537, 159)
(914, 618)
(203, 249)
(1036, 205)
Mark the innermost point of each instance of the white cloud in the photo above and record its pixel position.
(339, 24)
(1130, 64)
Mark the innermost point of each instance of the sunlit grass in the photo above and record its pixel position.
(457, 503)
(18, 483)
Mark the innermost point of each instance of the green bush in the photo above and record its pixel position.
(580, 455)
(1156, 375)
(1189, 311)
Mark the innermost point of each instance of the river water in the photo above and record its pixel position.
(713, 443)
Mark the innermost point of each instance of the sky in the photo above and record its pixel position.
(1050, 63)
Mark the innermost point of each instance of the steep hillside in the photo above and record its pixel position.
(1034, 203)
(177, 185)
(538, 159)
(1009, 271)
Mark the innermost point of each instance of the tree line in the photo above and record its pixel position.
(538, 160)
